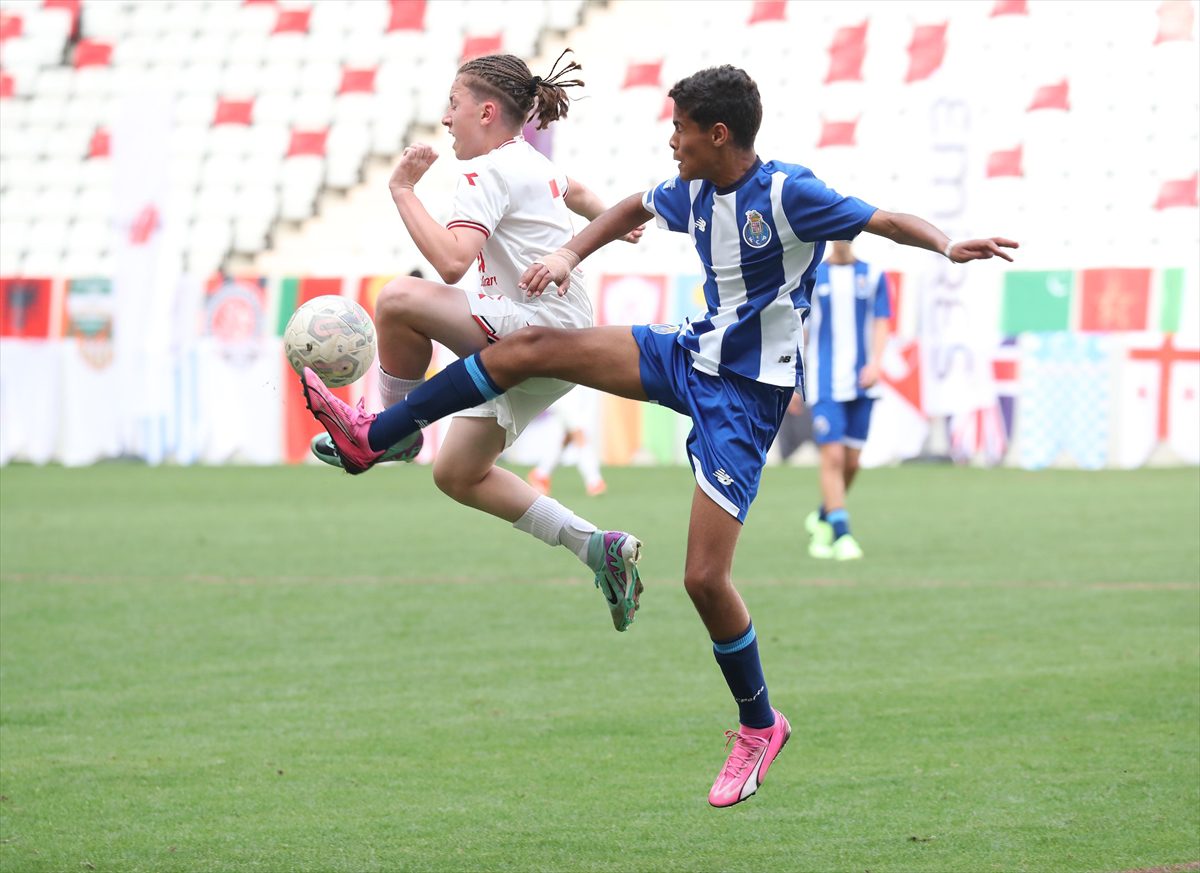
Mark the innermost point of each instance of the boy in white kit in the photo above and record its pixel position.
(511, 206)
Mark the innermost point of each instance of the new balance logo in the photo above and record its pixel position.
(701, 224)
(723, 477)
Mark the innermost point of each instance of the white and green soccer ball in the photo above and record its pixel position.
(333, 336)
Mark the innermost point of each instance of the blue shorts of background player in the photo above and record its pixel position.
(842, 421)
(734, 420)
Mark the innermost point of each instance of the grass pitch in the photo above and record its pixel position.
(290, 669)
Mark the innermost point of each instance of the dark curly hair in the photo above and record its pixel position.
(725, 94)
(521, 95)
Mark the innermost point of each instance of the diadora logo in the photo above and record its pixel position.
(701, 224)
(471, 177)
(723, 477)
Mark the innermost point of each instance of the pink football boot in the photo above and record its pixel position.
(753, 751)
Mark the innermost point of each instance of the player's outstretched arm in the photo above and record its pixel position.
(612, 224)
(909, 230)
(585, 202)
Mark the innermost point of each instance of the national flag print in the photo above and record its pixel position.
(1114, 299)
(1036, 301)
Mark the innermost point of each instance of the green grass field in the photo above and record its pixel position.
(293, 670)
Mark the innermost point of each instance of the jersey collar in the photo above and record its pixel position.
(742, 181)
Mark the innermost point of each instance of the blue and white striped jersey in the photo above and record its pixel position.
(759, 241)
(847, 300)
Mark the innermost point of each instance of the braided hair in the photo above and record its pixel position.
(522, 96)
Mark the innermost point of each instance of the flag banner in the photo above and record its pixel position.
(240, 368)
(898, 426)
(299, 427)
(687, 301)
(621, 429)
(956, 338)
(1066, 394)
(25, 307)
(221, 391)
(1036, 301)
(146, 242)
(1171, 290)
(31, 389)
(1114, 300)
(662, 440)
(1158, 394)
(1005, 370)
(632, 299)
(91, 424)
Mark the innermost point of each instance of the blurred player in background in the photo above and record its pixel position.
(759, 231)
(567, 422)
(511, 205)
(845, 334)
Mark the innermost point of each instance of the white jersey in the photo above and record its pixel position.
(514, 196)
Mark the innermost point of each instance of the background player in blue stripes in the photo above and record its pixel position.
(845, 336)
(759, 231)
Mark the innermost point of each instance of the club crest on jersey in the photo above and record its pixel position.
(756, 232)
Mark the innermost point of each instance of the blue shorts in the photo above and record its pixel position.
(734, 420)
(842, 421)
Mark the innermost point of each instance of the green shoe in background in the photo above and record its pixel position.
(821, 544)
(846, 548)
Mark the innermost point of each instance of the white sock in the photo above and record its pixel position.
(555, 525)
(392, 389)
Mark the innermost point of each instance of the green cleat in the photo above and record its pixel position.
(406, 450)
(811, 521)
(846, 548)
(614, 554)
(821, 544)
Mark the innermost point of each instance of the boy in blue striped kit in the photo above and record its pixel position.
(845, 337)
(759, 231)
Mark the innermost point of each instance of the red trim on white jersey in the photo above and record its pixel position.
(474, 225)
(488, 331)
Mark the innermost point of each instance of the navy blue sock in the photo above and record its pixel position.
(463, 384)
(823, 515)
(840, 519)
(738, 660)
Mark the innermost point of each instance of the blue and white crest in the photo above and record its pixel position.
(756, 232)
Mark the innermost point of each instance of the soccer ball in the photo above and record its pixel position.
(332, 335)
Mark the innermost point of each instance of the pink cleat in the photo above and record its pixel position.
(753, 751)
(347, 425)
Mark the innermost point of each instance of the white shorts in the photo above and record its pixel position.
(500, 316)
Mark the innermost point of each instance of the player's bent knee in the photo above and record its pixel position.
(397, 299)
(450, 481)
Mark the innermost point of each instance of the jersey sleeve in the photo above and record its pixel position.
(481, 199)
(883, 300)
(816, 212)
(671, 204)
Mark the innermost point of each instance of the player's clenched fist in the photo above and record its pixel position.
(555, 267)
(414, 161)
